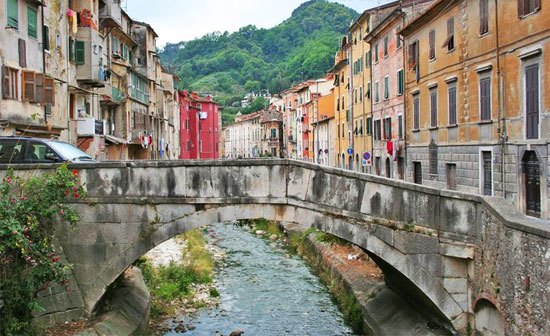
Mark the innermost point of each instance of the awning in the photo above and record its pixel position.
(115, 140)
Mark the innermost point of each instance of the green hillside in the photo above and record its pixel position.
(229, 65)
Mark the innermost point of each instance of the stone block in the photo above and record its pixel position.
(457, 251)
(456, 285)
(414, 243)
(384, 233)
(454, 267)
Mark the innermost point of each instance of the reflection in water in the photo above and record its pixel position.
(265, 293)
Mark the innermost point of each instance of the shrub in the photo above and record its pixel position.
(28, 260)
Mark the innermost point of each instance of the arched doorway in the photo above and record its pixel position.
(531, 183)
(488, 320)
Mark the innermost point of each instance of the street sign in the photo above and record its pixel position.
(366, 159)
(350, 151)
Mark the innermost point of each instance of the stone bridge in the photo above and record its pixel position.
(469, 260)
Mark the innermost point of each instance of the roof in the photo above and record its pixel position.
(371, 10)
(430, 14)
(146, 25)
(397, 13)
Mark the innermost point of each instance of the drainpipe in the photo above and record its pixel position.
(43, 58)
(501, 118)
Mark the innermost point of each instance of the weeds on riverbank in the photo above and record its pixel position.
(170, 284)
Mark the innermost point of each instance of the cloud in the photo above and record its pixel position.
(184, 20)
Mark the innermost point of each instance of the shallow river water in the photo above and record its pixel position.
(265, 292)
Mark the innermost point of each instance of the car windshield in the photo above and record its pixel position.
(69, 152)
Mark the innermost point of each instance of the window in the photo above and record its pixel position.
(452, 104)
(386, 41)
(451, 176)
(483, 17)
(361, 93)
(487, 173)
(367, 59)
(450, 40)
(433, 157)
(400, 82)
(400, 126)
(377, 130)
(71, 49)
(343, 104)
(13, 14)
(46, 37)
(377, 92)
(337, 103)
(413, 55)
(417, 172)
(387, 129)
(432, 44)
(79, 52)
(376, 53)
(273, 133)
(526, 7)
(398, 37)
(355, 95)
(433, 107)
(338, 131)
(343, 130)
(361, 126)
(386, 87)
(27, 86)
(31, 24)
(532, 101)
(377, 165)
(10, 83)
(369, 126)
(416, 111)
(485, 98)
(368, 90)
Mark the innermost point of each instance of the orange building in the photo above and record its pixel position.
(477, 112)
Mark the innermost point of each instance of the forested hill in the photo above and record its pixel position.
(250, 59)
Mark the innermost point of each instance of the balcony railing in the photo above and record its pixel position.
(117, 95)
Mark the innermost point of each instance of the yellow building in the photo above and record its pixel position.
(474, 91)
(340, 94)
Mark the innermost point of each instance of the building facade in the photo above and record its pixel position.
(478, 109)
(242, 138)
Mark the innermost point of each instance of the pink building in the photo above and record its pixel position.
(199, 127)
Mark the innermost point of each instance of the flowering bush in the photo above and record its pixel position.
(28, 260)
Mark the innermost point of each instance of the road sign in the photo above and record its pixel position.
(366, 159)
(350, 151)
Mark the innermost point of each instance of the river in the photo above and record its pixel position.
(264, 291)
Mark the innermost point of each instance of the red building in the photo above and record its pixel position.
(199, 128)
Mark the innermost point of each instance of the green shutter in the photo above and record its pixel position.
(79, 52)
(32, 18)
(13, 14)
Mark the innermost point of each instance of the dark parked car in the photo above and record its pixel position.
(34, 150)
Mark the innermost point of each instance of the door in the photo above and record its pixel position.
(417, 172)
(531, 169)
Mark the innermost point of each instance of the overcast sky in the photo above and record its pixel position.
(184, 20)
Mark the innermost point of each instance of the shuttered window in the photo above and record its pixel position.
(28, 86)
(32, 22)
(485, 98)
(433, 153)
(416, 111)
(386, 87)
(10, 83)
(400, 127)
(483, 17)
(413, 55)
(377, 92)
(377, 130)
(432, 44)
(398, 37)
(452, 105)
(46, 37)
(386, 42)
(49, 91)
(526, 7)
(487, 173)
(450, 41)
(532, 101)
(368, 90)
(80, 55)
(369, 126)
(387, 129)
(13, 14)
(22, 49)
(376, 53)
(400, 82)
(433, 107)
(38, 88)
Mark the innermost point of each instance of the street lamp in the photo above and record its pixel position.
(320, 80)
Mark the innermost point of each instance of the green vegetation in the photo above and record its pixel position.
(168, 284)
(29, 262)
(251, 59)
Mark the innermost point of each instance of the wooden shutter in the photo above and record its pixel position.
(416, 112)
(452, 106)
(5, 82)
(485, 98)
(32, 18)
(433, 108)
(483, 16)
(532, 101)
(28, 86)
(432, 44)
(46, 37)
(13, 13)
(521, 8)
(411, 56)
(22, 53)
(537, 5)
(80, 52)
(38, 88)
